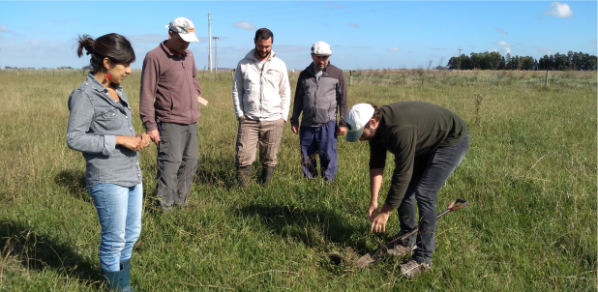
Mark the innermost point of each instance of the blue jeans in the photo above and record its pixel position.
(429, 174)
(119, 210)
(319, 141)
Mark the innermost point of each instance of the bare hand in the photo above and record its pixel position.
(341, 131)
(379, 222)
(154, 135)
(133, 143)
(145, 140)
(373, 211)
(295, 129)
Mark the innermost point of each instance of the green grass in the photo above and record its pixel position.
(530, 176)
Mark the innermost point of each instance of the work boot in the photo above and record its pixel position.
(412, 268)
(119, 281)
(125, 280)
(267, 173)
(399, 250)
(244, 176)
(112, 280)
(402, 247)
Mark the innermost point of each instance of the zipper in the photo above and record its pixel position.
(190, 93)
(317, 88)
(262, 88)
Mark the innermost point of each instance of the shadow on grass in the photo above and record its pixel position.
(74, 182)
(38, 251)
(220, 172)
(313, 227)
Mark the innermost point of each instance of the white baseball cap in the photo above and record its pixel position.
(321, 49)
(185, 28)
(359, 115)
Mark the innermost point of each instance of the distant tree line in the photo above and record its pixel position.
(495, 61)
(15, 67)
(11, 67)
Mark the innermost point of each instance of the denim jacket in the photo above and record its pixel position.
(94, 122)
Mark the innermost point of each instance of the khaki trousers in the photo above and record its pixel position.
(265, 133)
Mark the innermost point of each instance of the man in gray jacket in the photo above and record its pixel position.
(321, 95)
(170, 89)
(261, 97)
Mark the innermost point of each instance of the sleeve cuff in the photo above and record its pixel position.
(151, 127)
(109, 144)
(393, 206)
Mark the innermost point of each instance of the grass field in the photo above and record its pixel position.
(530, 176)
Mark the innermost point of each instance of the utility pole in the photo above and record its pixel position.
(460, 52)
(209, 42)
(216, 51)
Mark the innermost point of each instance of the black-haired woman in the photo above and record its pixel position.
(100, 127)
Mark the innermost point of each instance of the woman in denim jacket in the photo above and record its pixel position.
(100, 127)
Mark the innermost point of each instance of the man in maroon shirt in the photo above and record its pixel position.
(169, 111)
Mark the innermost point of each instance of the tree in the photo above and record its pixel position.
(454, 63)
(475, 60)
(508, 61)
(527, 63)
(495, 61)
(502, 64)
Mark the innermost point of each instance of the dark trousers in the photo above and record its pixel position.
(177, 163)
(319, 141)
(429, 174)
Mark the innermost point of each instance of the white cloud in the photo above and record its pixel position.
(353, 25)
(396, 49)
(39, 53)
(336, 6)
(493, 50)
(3, 28)
(499, 30)
(544, 50)
(504, 44)
(507, 50)
(244, 25)
(559, 10)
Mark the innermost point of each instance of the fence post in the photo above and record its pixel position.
(351, 77)
(546, 79)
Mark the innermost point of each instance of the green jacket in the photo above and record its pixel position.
(412, 129)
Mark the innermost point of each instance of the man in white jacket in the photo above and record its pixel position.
(261, 96)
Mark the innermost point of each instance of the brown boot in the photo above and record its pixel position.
(244, 176)
(412, 269)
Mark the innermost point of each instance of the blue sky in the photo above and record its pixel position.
(363, 35)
